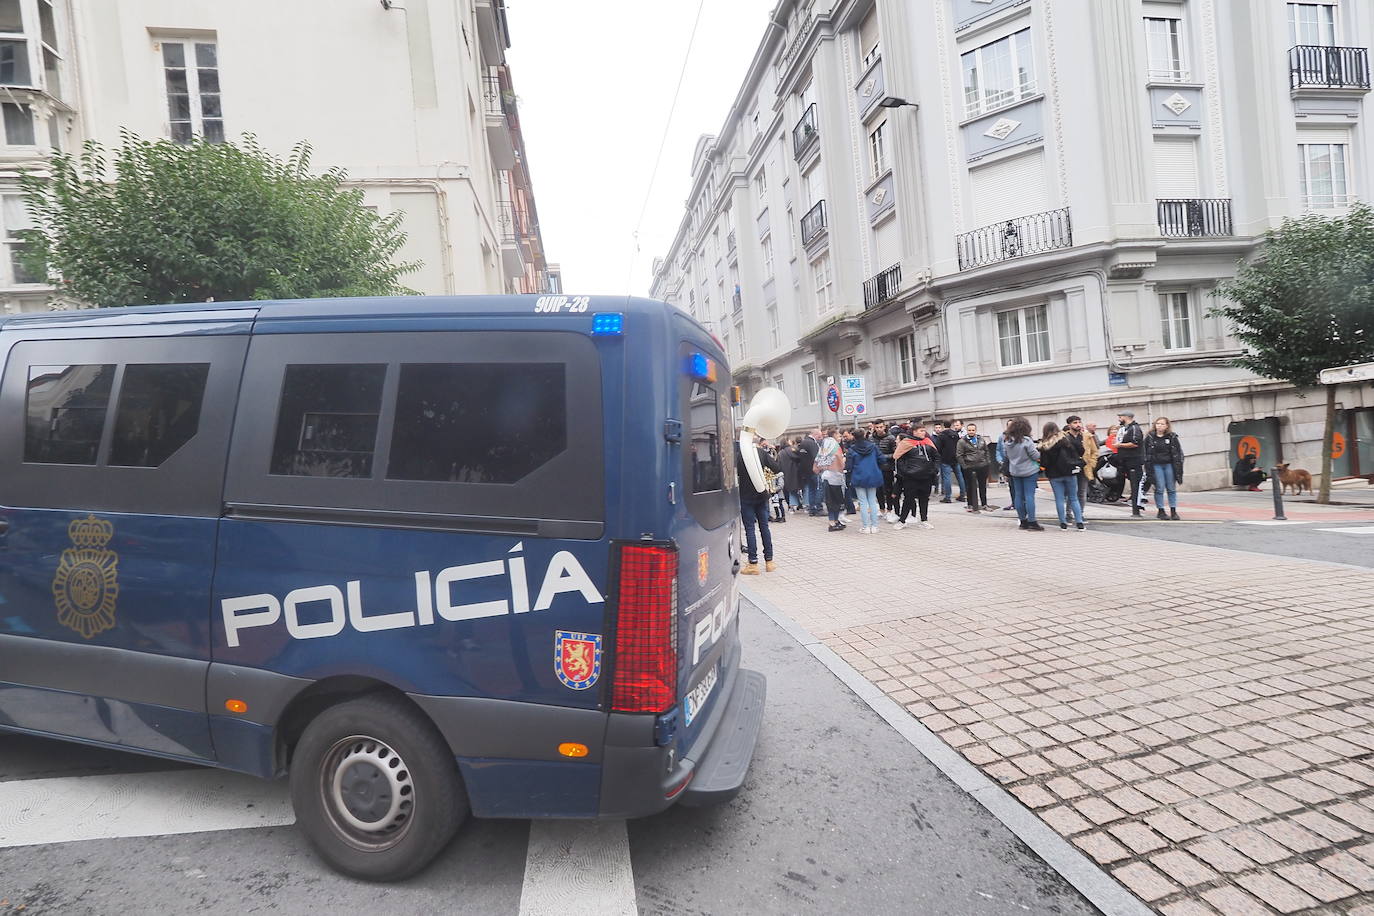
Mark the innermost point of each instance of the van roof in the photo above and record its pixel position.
(375, 306)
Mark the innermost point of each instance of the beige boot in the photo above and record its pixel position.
(750, 569)
(770, 565)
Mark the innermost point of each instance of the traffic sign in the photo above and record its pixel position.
(832, 398)
(1361, 373)
(855, 395)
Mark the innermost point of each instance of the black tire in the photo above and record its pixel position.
(376, 789)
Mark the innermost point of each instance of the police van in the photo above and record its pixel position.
(426, 556)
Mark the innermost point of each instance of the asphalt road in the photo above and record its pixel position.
(840, 814)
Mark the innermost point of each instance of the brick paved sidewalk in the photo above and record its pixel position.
(1198, 721)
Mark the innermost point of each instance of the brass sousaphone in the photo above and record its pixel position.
(768, 415)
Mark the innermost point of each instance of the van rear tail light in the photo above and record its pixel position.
(645, 629)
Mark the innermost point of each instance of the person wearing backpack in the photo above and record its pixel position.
(918, 465)
(866, 477)
(1061, 453)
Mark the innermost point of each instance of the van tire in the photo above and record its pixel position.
(376, 788)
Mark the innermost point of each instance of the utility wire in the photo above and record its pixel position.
(653, 175)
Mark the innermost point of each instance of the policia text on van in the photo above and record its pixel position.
(430, 556)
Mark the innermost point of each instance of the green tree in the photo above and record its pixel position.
(155, 221)
(1307, 304)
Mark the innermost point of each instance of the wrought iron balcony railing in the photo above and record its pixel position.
(1323, 67)
(1015, 238)
(1202, 218)
(882, 287)
(813, 223)
(806, 133)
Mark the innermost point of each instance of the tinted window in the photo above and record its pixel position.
(327, 421)
(708, 439)
(159, 412)
(478, 422)
(65, 413)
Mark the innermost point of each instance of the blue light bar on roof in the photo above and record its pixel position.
(608, 324)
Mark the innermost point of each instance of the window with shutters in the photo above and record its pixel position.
(1176, 168)
(1008, 188)
(1023, 337)
(869, 45)
(1175, 317)
(1312, 24)
(998, 74)
(1165, 52)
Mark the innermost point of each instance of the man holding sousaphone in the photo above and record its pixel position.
(767, 416)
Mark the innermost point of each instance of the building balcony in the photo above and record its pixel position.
(1322, 67)
(499, 137)
(508, 228)
(1015, 238)
(1194, 219)
(806, 134)
(813, 223)
(882, 287)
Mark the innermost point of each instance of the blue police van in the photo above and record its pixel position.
(427, 556)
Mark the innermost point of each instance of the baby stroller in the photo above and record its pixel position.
(1108, 481)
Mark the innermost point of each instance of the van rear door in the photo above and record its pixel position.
(706, 533)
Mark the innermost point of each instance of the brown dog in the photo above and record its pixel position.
(1297, 478)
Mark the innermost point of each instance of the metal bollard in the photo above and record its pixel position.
(1278, 496)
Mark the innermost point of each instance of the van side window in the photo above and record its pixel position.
(477, 422)
(65, 413)
(159, 412)
(327, 420)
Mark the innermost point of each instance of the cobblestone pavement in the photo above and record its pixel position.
(1198, 721)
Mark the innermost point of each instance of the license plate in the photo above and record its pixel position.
(700, 693)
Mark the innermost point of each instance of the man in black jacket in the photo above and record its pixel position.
(807, 449)
(753, 509)
(1130, 453)
(947, 442)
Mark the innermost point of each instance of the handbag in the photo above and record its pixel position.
(1107, 472)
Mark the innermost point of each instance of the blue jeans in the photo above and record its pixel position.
(1066, 491)
(1165, 483)
(755, 512)
(868, 506)
(947, 478)
(1023, 497)
(812, 491)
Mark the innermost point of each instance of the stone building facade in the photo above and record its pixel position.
(997, 207)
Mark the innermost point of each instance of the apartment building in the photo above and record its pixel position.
(997, 207)
(414, 100)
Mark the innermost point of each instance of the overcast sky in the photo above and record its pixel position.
(594, 81)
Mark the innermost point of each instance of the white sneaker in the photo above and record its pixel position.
(927, 525)
(903, 525)
(892, 517)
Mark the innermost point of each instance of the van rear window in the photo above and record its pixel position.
(708, 440)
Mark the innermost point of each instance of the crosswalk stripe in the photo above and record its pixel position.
(1363, 529)
(578, 866)
(61, 810)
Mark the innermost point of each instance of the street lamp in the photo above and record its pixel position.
(893, 101)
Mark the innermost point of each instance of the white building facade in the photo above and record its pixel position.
(414, 100)
(991, 208)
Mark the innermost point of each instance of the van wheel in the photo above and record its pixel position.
(376, 789)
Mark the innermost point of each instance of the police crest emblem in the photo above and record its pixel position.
(577, 658)
(86, 585)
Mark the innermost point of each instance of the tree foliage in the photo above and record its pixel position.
(1308, 303)
(155, 221)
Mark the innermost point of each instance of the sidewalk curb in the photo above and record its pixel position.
(1099, 888)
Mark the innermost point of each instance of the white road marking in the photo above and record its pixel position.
(62, 810)
(1363, 529)
(578, 866)
(1274, 521)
